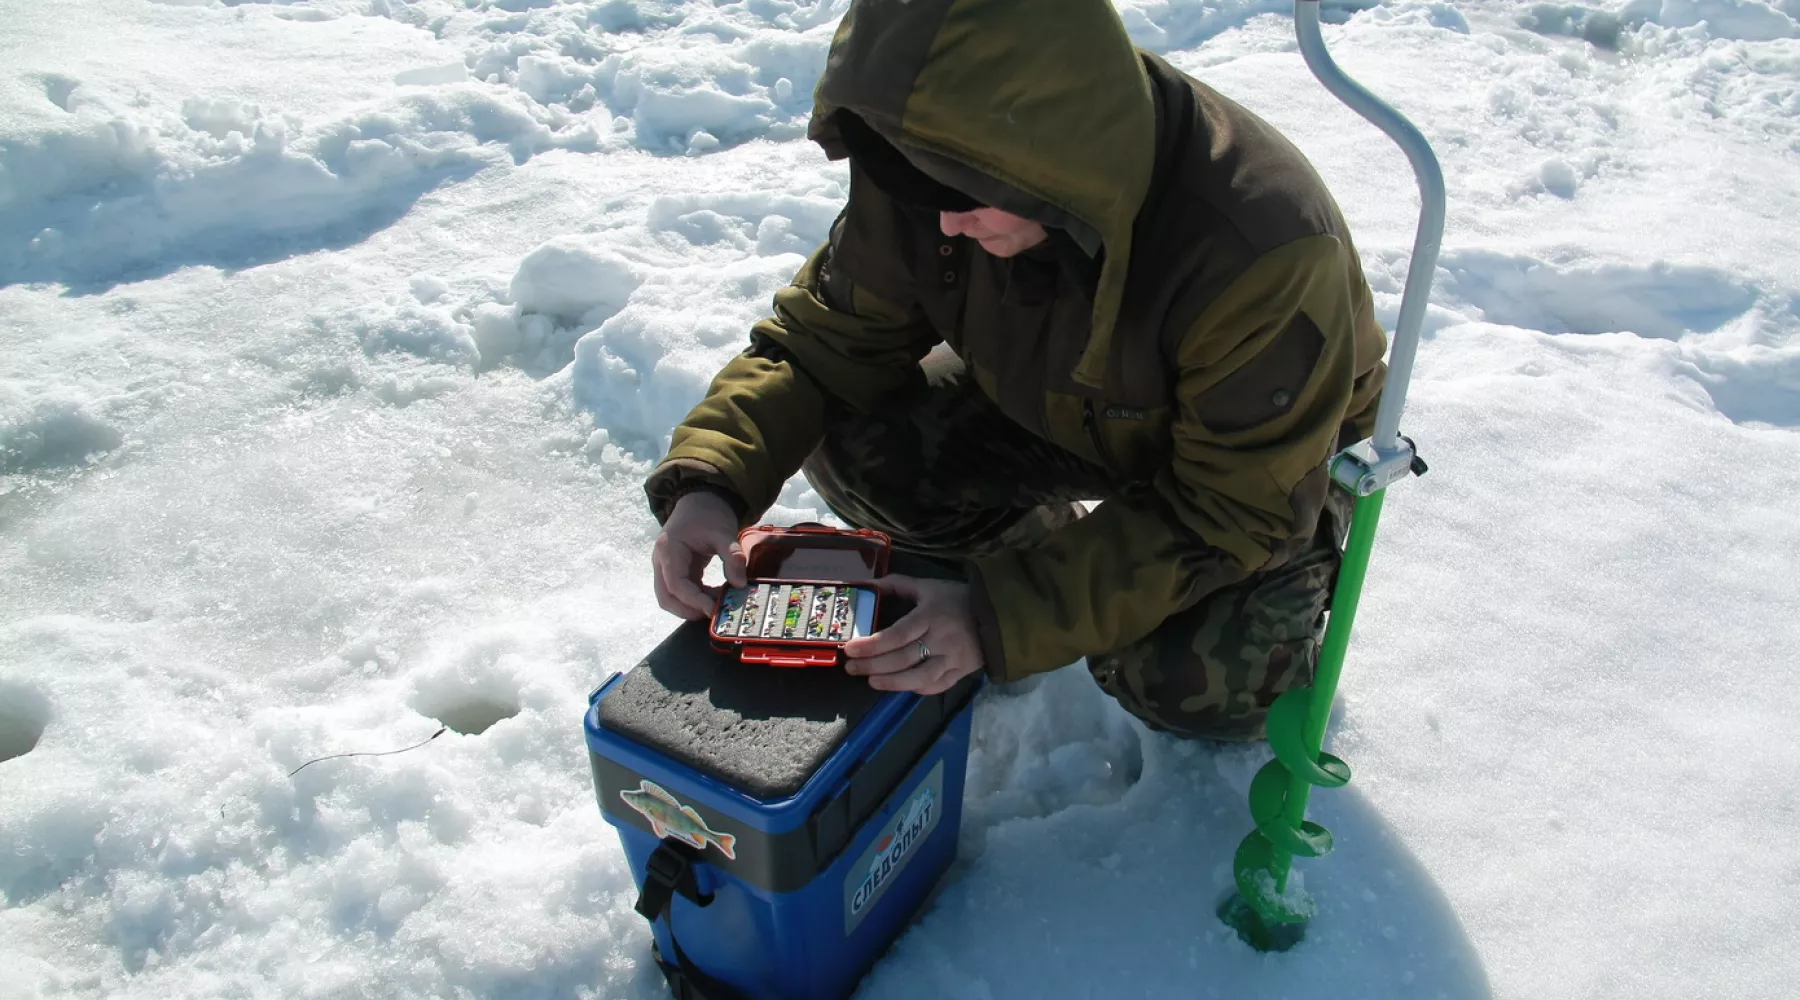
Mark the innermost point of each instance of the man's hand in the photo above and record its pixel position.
(701, 526)
(929, 649)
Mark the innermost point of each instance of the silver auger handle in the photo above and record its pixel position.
(1387, 457)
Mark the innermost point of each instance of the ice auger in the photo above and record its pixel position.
(1267, 912)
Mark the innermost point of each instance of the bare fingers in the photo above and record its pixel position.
(893, 648)
(934, 675)
(676, 591)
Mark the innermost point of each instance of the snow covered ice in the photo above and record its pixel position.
(336, 337)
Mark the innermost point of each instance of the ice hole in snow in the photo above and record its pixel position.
(472, 714)
(23, 715)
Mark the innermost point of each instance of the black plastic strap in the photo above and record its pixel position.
(687, 982)
(670, 870)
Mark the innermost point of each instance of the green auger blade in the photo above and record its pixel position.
(1265, 916)
(1288, 719)
(1268, 809)
(1257, 932)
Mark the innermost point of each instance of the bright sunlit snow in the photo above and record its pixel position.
(337, 336)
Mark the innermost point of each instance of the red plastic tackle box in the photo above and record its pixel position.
(783, 826)
(811, 590)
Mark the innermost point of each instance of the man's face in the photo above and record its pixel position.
(1002, 234)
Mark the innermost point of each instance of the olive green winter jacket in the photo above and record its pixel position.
(1222, 350)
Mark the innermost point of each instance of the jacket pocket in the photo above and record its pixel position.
(1266, 386)
(1091, 424)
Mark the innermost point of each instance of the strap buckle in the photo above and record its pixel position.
(669, 871)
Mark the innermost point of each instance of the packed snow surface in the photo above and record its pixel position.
(336, 338)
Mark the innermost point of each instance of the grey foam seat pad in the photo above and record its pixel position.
(762, 730)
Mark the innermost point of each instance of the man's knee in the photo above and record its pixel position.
(1211, 695)
(1212, 672)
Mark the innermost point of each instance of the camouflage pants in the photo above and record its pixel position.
(949, 476)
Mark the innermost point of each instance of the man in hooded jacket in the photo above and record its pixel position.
(1145, 297)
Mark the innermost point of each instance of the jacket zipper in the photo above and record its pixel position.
(1093, 428)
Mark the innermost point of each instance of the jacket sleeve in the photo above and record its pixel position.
(831, 335)
(1264, 380)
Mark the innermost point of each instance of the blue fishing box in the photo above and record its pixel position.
(783, 825)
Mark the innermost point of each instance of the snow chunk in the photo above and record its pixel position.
(428, 288)
(24, 714)
(1558, 177)
(551, 80)
(1435, 13)
(1294, 897)
(429, 76)
(767, 223)
(60, 90)
(673, 98)
(46, 433)
(642, 370)
(424, 331)
(571, 277)
(1165, 25)
(117, 191)
(1742, 20)
(498, 331)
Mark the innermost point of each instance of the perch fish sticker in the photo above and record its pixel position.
(669, 818)
(878, 868)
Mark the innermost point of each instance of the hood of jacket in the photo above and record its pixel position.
(1038, 107)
